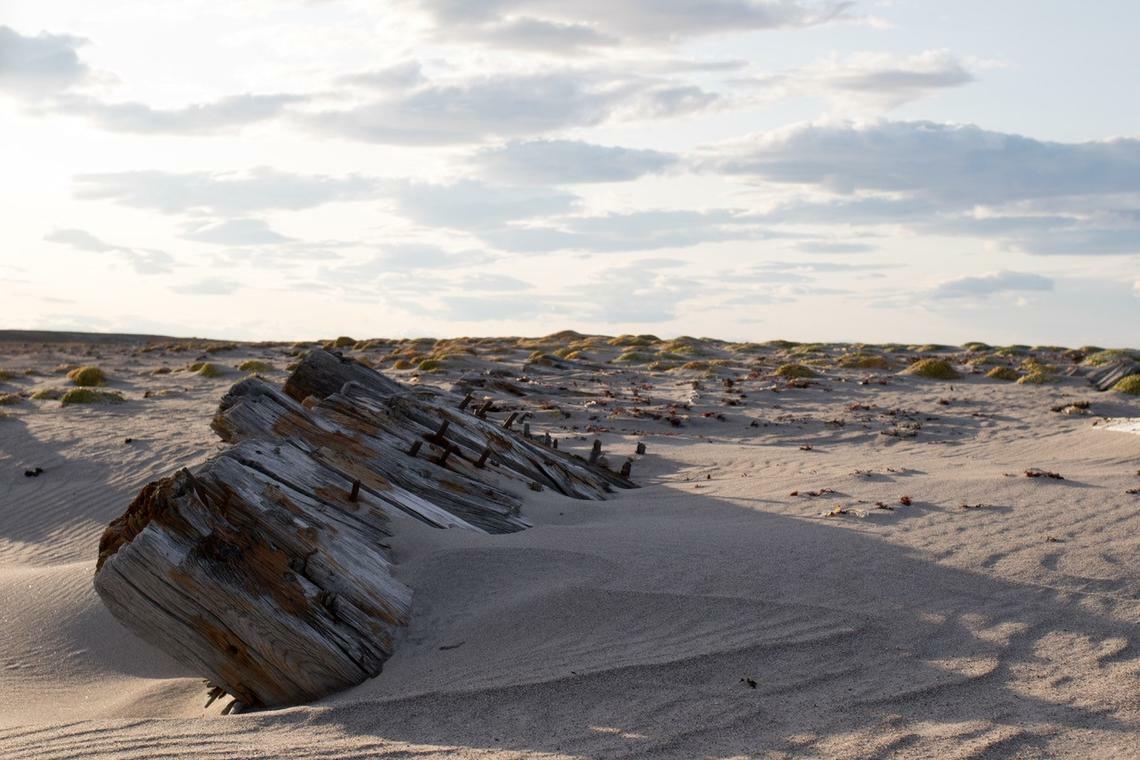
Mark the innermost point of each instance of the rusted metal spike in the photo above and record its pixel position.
(510, 420)
(415, 449)
(596, 451)
(483, 457)
(355, 493)
(466, 400)
(626, 467)
(640, 448)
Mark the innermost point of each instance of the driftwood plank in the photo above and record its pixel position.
(277, 595)
(267, 568)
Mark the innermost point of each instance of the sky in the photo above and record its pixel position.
(904, 170)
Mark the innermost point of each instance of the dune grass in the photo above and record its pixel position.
(1037, 378)
(206, 369)
(1129, 385)
(255, 366)
(89, 396)
(48, 394)
(8, 399)
(1003, 373)
(933, 369)
(864, 361)
(793, 371)
(87, 377)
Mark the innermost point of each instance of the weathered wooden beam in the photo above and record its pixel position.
(201, 565)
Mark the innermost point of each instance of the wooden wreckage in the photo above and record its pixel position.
(267, 568)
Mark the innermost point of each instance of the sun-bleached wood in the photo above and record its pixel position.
(267, 568)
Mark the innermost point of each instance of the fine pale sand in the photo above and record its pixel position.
(630, 627)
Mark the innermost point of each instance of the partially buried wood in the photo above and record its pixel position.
(267, 568)
(242, 572)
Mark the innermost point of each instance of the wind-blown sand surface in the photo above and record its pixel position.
(630, 627)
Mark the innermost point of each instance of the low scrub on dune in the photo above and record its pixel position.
(48, 394)
(1129, 385)
(8, 399)
(1037, 378)
(206, 369)
(631, 341)
(933, 369)
(794, 371)
(1003, 373)
(864, 361)
(89, 396)
(255, 366)
(87, 377)
(1100, 358)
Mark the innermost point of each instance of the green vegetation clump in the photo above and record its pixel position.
(1129, 385)
(7, 399)
(87, 377)
(255, 366)
(986, 360)
(696, 364)
(792, 371)
(780, 344)
(6, 375)
(864, 361)
(660, 366)
(1003, 373)
(976, 345)
(342, 342)
(1037, 378)
(206, 369)
(430, 365)
(934, 369)
(627, 341)
(48, 394)
(402, 364)
(634, 357)
(88, 396)
(1100, 358)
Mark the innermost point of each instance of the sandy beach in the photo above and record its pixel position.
(849, 565)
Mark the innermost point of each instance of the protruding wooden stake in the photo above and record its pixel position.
(640, 448)
(483, 457)
(355, 493)
(481, 413)
(526, 430)
(510, 420)
(555, 442)
(447, 449)
(466, 400)
(442, 429)
(415, 449)
(596, 451)
(626, 467)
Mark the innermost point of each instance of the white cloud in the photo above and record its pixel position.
(869, 82)
(209, 118)
(221, 193)
(142, 260)
(469, 205)
(562, 24)
(478, 109)
(557, 162)
(41, 66)
(981, 286)
(236, 232)
(947, 163)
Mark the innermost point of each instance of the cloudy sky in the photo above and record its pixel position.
(748, 169)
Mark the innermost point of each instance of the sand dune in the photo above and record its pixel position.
(630, 627)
